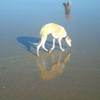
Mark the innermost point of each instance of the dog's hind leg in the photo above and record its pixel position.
(43, 45)
(38, 47)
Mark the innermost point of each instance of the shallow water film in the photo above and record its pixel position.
(70, 75)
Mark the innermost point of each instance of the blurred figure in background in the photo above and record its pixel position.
(67, 8)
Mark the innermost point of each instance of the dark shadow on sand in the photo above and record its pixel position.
(28, 42)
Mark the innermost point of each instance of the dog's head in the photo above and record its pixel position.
(68, 41)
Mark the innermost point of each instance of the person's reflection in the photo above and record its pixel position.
(67, 8)
(51, 66)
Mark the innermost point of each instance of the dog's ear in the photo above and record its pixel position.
(69, 38)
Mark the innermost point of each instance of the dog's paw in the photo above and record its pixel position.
(62, 49)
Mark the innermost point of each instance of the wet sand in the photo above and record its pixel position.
(69, 75)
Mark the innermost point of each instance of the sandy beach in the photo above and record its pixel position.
(68, 75)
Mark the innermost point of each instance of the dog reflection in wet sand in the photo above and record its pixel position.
(67, 8)
(52, 65)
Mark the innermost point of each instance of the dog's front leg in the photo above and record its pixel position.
(53, 46)
(60, 44)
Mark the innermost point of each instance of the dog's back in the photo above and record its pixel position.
(54, 29)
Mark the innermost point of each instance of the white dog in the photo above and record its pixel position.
(57, 31)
